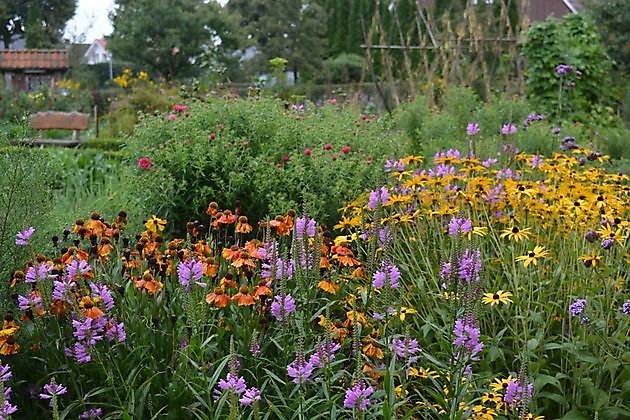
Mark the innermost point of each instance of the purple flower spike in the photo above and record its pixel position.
(282, 307)
(472, 129)
(52, 389)
(22, 238)
(577, 307)
(191, 270)
(358, 396)
(508, 129)
(251, 394)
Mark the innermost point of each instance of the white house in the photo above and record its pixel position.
(97, 53)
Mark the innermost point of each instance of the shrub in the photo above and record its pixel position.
(254, 151)
(576, 91)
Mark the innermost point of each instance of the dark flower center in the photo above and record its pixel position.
(495, 297)
(515, 229)
(532, 254)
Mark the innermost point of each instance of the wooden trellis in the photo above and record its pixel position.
(450, 51)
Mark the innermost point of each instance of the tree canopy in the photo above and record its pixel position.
(41, 21)
(291, 29)
(171, 38)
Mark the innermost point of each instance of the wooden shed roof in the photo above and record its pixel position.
(33, 59)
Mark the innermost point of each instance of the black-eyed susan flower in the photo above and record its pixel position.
(482, 412)
(155, 223)
(532, 256)
(496, 298)
(404, 311)
(515, 233)
(499, 385)
(590, 260)
(491, 397)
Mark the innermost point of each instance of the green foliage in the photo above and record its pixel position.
(257, 157)
(344, 68)
(167, 37)
(42, 21)
(15, 105)
(25, 200)
(572, 41)
(292, 29)
(612, 18)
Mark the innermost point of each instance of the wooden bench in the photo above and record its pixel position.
(74, 121)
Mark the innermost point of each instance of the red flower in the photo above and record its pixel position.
(345, 149)
(334, 157)
(328, 146)
(307, 151)
(144, 163)
(285, 158)
(333, 101)
(212, 136)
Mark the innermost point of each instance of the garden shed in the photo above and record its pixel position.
(25, 70)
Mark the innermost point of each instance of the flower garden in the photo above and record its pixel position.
(240, 258)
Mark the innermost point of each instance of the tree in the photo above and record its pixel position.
(41, 21)
(12, 15)
(613, 22)
(291, 29)
(171, 37)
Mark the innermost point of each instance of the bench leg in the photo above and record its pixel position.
(75, 135)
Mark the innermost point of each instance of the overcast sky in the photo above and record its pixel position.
(90, 20)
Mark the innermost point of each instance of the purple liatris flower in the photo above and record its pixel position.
(405, 347)
(459, 225)
(191, 270)
(446, 271)
(304, 225)
(625, 308)
(231, 383)
(380, 196)
(5, 373)
(300, 370)
(116, 331)
(387, 272)
(30, 301)
(22, 238)
(324, 354)
(89, 330)
(249, 396)
(91, 414)
(52, 389)
(516, 393)
(282, 307)
(358, 396)
(78, 267)
(7, 409)
(80, 351)
(577, 307)
(508, 128)
(101, 291)
(469, 265)
(467, 336)
(472, 129)
(39, 272)
(62, 290)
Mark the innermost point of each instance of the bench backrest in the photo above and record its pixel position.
(59, 120)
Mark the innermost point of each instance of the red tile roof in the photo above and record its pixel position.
(33, 59)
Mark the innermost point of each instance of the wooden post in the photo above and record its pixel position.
(96, 119)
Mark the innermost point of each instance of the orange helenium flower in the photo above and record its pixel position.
(243, 298)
